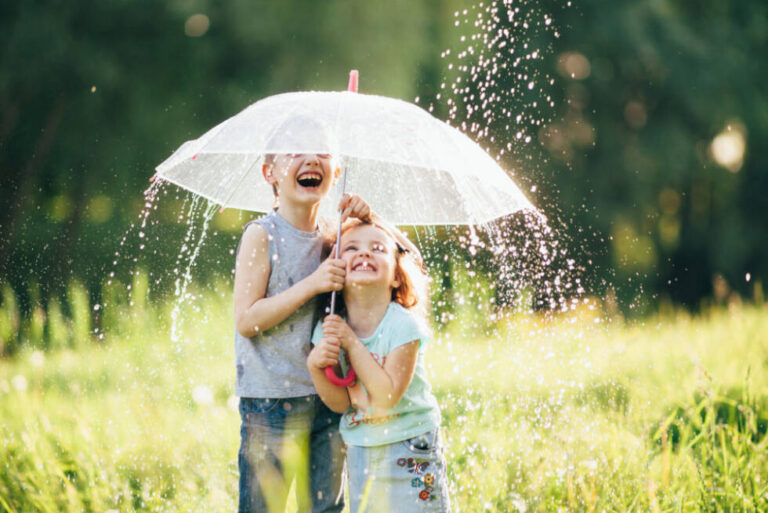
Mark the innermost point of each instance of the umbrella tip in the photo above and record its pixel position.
(353, 74)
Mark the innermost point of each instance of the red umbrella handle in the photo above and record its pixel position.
(340, 382)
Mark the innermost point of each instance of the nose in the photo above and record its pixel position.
(312, 159)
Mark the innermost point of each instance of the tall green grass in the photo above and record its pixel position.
(573, 413)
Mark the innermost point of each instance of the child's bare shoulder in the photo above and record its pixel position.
(255, 241)
(254, 232)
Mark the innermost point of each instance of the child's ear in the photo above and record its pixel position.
(336, 174)
(266, 170)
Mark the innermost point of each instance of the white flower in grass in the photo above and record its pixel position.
(518, 502)
(37, 358)
(202, 395)
(19, 382)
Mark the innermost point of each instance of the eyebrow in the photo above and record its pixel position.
(356, 241)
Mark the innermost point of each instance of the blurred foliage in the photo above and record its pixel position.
(664, 78)
(94, 94)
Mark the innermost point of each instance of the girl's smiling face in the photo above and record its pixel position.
(370, 256)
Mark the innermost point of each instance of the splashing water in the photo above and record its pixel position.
(498, 93)
(149, 205)
(199, 210)
(511, 284)
(195, 214)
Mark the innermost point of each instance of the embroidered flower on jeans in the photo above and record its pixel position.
(415, 482)
(417, 466)
(401, 462)
(429, 479)
(424, 495)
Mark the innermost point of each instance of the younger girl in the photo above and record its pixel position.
(391, 419)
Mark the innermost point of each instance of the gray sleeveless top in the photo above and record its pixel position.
(272, 364)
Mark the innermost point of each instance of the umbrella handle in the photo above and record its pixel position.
(340, 382)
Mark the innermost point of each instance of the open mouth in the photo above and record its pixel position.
(310, 179)
(363, 266)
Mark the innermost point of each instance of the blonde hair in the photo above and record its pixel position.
(412, 293)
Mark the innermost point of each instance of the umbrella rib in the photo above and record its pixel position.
(248, 169)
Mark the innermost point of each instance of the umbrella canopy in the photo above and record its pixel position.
(410, 167)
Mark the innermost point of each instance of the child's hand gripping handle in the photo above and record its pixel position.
(329, 373)
(340, 382)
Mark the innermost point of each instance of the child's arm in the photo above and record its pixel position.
(326, 354)
(385, 384)
(255, 313)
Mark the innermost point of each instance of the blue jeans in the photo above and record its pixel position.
(286, 439)
(403, 477)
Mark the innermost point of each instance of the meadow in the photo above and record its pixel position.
(571, 412)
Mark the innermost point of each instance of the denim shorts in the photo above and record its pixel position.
(399, 477)
(282, 440)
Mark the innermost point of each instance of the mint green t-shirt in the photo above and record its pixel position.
(416, 413)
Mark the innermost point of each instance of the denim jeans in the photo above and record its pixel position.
(286, 439)
(407, 476)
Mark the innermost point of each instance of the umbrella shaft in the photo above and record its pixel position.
(338, 235)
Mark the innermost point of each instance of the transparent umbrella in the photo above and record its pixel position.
(410, 167)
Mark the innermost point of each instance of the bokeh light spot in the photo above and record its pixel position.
(99, 209)
(60, 208)
(635, 114)
(632, 251)
(728, 147)
(669, 231)
(197, 25)
(669, 201)
(573, 65)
